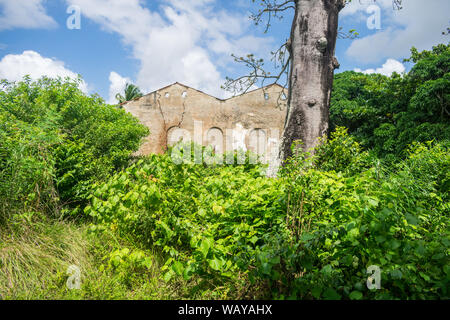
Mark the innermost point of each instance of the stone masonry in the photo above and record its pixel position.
(251, 121)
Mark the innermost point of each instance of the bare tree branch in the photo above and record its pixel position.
(257, 72)
(281, 57)
(271, 9)
(396, 4)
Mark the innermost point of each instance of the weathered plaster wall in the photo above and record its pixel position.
(252, 121)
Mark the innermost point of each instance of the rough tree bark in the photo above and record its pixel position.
(312, 47)
(311, 62)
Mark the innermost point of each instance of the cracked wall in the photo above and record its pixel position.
(252, 121)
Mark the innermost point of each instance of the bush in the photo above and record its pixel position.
(55, 141)
(27, 172)
(342, 224)
(207, 220)
(342, 153)
(312, 233)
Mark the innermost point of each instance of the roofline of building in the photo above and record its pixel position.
(187, 87)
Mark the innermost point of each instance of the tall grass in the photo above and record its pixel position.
(36, 253)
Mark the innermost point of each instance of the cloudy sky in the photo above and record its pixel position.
(154, 43)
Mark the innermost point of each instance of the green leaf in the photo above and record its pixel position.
(215, 264)
(266, 268)
(331, 294)
(396, 274)
(168, 276)
(217, 209)
(425, 276)
(394, 244)
(253, 239)
(353, 233)
(205, 246)
(411, 219)
(178, 268)
(356, 295)
(316, 292)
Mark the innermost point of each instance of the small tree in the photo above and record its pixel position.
(131, 92)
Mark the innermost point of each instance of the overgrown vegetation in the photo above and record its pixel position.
(375, 193)
(386, 114)
(55, 142)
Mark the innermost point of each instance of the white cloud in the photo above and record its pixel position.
(14, 67)
(419, 23)
(387, 69)
(360, 6)
(29, 14)
(117, 85)
(185, 41)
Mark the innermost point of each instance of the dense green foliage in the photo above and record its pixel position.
(228, 223)
(387, 114)
(396, 219)
(376, 193)
(56, 141)
(208, 220)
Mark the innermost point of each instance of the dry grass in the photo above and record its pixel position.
(35, 253)
(34, 258)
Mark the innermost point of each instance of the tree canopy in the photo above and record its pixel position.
(388, 113)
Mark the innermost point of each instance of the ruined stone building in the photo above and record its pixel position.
(251, 121)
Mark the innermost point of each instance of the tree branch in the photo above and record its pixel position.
(281, 60)
(281, 57)
(271, 9)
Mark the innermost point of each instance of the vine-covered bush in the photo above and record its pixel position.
(207, 220)
(397, 221)
(312, 233)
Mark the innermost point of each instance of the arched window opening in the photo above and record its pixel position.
(214, 138)
(176, 134)
(257, 144)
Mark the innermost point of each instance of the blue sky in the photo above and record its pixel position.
(156, 42)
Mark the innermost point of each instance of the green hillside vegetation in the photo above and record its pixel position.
(376, 192)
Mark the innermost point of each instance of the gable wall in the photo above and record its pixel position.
(197, 112)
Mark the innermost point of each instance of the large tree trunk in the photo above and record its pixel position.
(313, 40)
